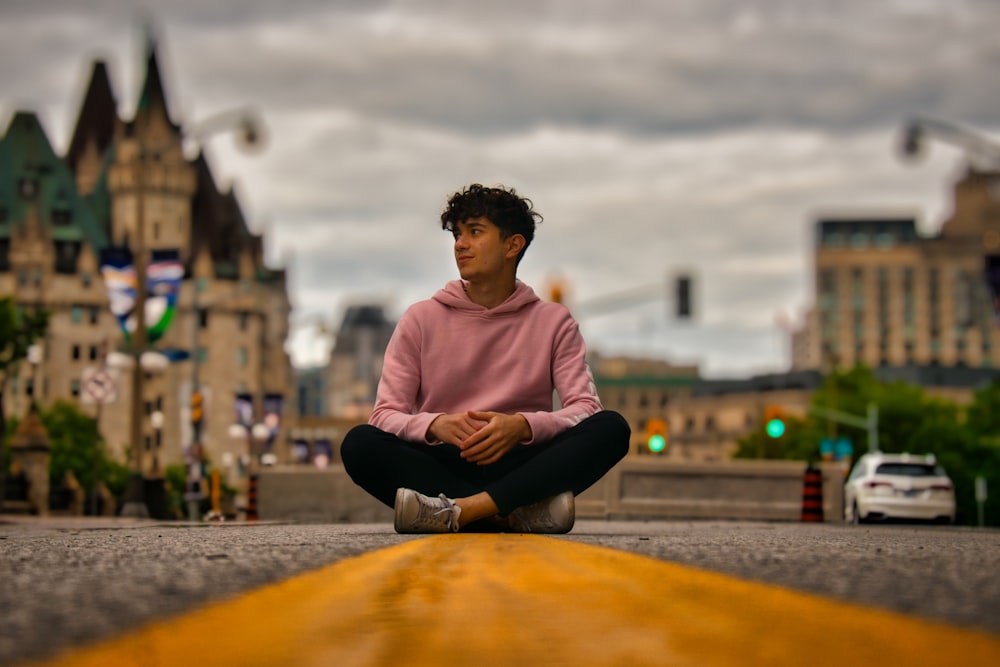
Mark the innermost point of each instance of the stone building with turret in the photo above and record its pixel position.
(129, 182)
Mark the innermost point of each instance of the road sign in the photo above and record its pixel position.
(843, 449)
(99, 385)
(981, 489)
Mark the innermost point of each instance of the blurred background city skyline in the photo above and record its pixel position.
(703, 137)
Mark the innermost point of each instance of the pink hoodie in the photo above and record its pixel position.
(449, 354)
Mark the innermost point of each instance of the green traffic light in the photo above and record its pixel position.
(656, 443)
(775, 428)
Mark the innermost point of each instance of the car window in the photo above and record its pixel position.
(908, 470)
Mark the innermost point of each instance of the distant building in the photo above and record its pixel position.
(356, 361)
(886, 296)
(57, 213)
(913, 308)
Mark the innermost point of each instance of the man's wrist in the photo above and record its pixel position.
(526, 431)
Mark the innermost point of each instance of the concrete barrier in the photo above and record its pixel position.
(643, 488)
(311, 495)
(654, 488)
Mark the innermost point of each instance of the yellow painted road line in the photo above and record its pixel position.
(527, 600)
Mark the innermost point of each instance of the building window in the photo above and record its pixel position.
(833, 240)
(61, 217)
(93, 353)
(76, 353)
(95, 314)
(244, 320)
(76, 314)
(202, 318)
(66, 256)
(74, 388)
(242, 357)
(86, 279)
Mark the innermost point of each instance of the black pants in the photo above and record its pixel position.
(380, 463)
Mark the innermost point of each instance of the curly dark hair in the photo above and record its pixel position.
(501, 206)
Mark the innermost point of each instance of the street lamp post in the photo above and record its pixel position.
(156, 421)
(978, 148)
(35, 359)
(250, 133)
(135, 497)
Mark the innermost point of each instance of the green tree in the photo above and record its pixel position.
(799, 442)
(983, 414)
(176, 483)
(982, 458)
(19, 329)
(77, 446)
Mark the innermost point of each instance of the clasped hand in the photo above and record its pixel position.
(482, 437)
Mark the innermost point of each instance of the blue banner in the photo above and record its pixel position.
(163, 280)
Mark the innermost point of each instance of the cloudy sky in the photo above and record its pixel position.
(701, 136)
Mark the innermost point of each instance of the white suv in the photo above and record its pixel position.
(898, 486)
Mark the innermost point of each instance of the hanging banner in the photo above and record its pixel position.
(119, 280)
(163, 283)
(272, 417)
(163, 279)
(244, 410)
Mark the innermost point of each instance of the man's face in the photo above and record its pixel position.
(479, 251)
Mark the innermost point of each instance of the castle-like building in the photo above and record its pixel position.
(128, 182)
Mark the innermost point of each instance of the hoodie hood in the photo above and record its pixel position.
(453, 295)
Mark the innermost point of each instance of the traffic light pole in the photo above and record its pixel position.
(869, 423)
(680, 290)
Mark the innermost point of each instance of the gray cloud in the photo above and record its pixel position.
(654, 136)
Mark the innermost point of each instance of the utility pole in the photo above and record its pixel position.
(135, 494)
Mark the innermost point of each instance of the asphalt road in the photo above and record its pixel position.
(66, 583)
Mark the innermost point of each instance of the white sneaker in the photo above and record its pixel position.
(554, 515)
(417, 513)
